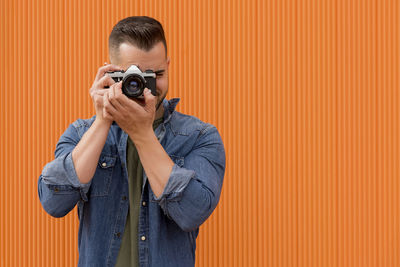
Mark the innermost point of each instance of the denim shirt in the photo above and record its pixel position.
(169, 224)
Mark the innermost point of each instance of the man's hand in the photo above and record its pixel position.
(134, 116)
(87, 152)
(98, 90)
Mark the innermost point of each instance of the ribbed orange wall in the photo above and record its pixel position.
(304, 93)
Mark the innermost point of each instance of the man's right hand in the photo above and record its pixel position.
(99, 87)
(87, 152)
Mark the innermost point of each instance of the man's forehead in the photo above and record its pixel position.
(154, 59)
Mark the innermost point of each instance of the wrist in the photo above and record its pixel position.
(102, 123)
(143, 138)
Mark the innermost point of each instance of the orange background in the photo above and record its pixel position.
(304, 93)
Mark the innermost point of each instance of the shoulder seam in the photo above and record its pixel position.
(206, 128)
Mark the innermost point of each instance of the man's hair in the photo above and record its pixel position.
(140, 31)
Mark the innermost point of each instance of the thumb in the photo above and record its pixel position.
(149, 99)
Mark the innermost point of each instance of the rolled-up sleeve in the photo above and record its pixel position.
(193, 190)
(59, 188)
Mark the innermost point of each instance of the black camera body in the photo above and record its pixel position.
(134, 81)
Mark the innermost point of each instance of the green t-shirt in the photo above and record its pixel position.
(128, 254)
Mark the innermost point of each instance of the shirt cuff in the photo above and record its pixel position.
(61, 171)
(177, 182)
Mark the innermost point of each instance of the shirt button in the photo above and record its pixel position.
(104, 164)
(143, 238)
(124, 198)
(118, 234)
(144, 203)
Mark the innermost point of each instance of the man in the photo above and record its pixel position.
(143, 175)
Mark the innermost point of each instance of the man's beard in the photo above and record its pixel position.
(159, 103)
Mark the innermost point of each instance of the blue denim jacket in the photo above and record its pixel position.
(168, 225)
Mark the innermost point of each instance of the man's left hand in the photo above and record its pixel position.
(134, 116)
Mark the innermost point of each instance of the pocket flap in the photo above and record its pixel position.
(107, 161)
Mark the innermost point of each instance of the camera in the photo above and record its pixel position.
(134, 81)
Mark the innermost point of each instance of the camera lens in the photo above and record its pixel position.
(133, 85)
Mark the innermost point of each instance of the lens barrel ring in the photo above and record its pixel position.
(133, 85)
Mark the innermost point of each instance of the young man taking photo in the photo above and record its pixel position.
(143, 175)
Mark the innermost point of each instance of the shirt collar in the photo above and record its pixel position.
(169, 108)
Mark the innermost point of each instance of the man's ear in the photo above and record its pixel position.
(168, 61)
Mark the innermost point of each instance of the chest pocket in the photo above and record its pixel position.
(101, 182)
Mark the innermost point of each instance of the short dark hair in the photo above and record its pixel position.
(140, 31)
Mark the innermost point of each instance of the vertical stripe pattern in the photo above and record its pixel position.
(305, 95)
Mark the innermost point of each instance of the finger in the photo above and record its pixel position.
(124, 100)
(107, 115)
(105, 82)
(118, 89)
(117, 106)
(114, 100)
(98, 101)
(107, 106)
(104, 69)
(101, 92)
(114, 90)
(110, 93)
(120, 97)
(149, 99)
